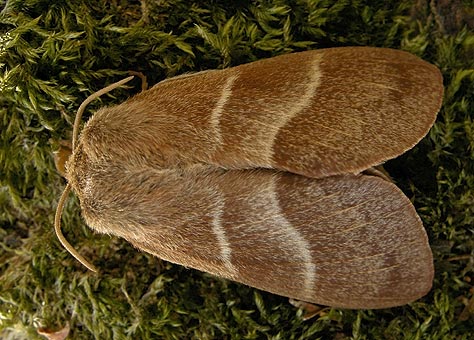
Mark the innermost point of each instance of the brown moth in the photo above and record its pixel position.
(262, 174)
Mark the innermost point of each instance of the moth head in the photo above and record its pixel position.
(61, 157)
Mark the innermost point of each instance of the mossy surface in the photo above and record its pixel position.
(54, 53)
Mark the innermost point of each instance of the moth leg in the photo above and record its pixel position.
(468, 311)
(310, 310)
(145, 12)
(378, 171)
(142, 77)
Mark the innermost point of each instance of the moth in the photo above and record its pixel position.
(266, 174)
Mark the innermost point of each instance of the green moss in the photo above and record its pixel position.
(53, 54)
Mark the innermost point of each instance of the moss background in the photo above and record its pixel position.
(54, 53)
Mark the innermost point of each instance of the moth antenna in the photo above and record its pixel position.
(142, 77)
(67, 189)
(80, 111)
(59, 234)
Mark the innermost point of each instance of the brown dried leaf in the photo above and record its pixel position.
(55, 335)
(309, 310)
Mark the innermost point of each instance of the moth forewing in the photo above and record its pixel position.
(316, 113)
(178, 171)
(346, 241)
